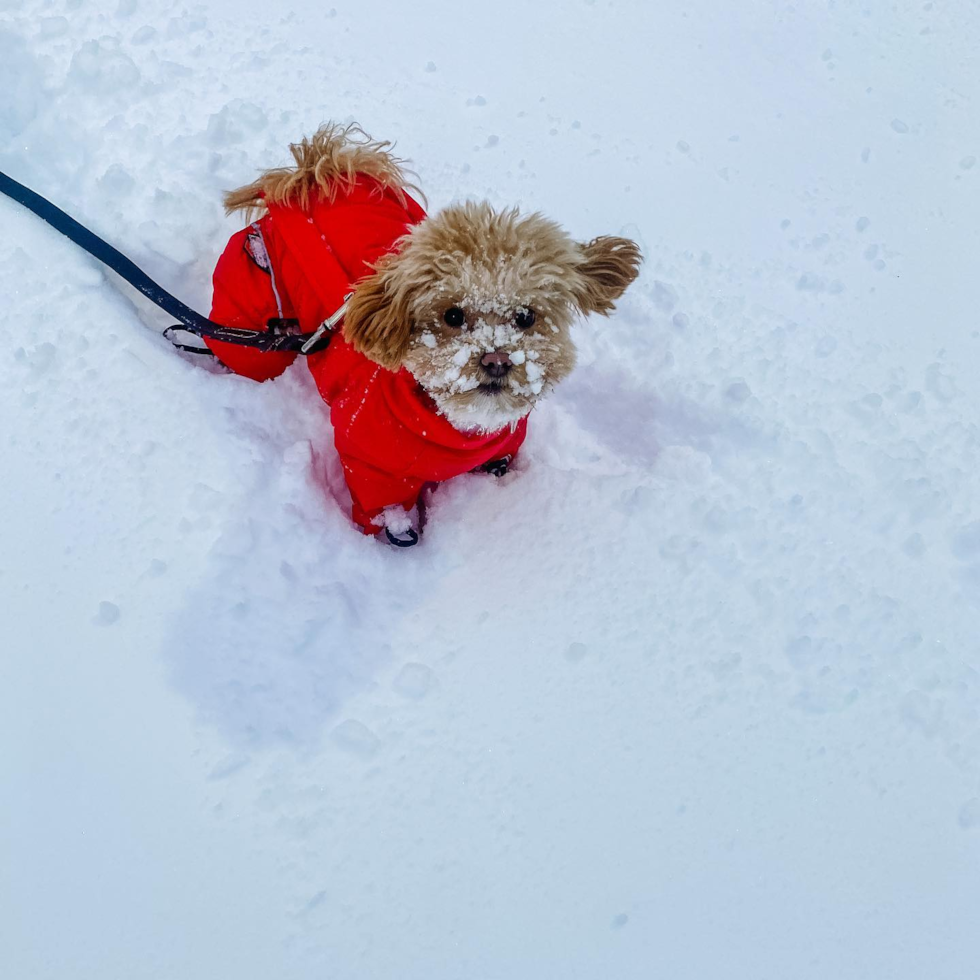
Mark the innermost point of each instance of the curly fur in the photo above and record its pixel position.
(325, 163)
(379, 316)
(491, 264)
(610, 265)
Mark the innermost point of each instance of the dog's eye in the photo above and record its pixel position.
(454, 316)
(524, 318)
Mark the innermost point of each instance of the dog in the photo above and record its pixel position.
(454, 325)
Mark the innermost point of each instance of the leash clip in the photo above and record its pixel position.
(328, 324)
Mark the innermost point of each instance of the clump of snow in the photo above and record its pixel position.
(397, 519)
(356, 738)
(107, 615)
(414, 681)
(21, 81)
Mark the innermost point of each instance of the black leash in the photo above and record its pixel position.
(281, 335)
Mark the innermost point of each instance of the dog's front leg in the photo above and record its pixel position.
(379, 499)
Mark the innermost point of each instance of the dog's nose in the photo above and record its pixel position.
(496, 364)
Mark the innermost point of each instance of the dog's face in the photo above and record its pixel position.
(478, 304)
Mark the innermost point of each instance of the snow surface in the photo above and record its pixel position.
(692, 692)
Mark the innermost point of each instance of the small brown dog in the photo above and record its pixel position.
(455, 324)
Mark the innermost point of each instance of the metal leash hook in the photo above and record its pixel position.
(327, 325)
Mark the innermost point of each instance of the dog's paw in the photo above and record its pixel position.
(401, 528)
(496, 467)
(404, 539)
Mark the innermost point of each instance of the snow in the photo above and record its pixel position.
(397, 519)
(692, 691)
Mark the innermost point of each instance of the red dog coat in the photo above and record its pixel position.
(294, 263)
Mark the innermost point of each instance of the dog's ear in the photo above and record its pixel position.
(608, 266)
(378, 321)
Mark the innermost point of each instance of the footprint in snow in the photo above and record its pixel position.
(356, 739)
(107, 615)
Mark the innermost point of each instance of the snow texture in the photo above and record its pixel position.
(691, 692)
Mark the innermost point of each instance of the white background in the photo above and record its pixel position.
(691, 693)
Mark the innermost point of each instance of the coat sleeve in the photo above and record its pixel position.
(243, 297)
(372, 490)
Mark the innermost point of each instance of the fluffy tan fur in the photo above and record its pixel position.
(492, 265)
(326, 163)
(379, 315)
(610, 265)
